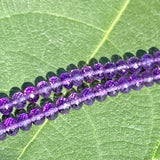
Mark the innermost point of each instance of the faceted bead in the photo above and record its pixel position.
(111, 88)
(98, 69)
(147, 61)
(74, 99)
(77, 77)
(44, 89)
(110, 70)
(156, 75)
(134, 65)
(100, 92)
(157, 58)
(56, 84)
(37, 116)
(124, 85)
(87, 72)
(63, 105)
(136, 81)
(12, 127)
(2, 132)
(147, 78)
(66, 80)
(31, 94)
(50, 111)
(122, 67)
(88, 97)
(6, 106)
(19, 100)
(24, 122)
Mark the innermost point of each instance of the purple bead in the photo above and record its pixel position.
(122, 67)
(50, 111)
(32, 94)
(136, 81)
(88, 97)
(98, 69)
(147, 61)
(87, 72)
(124, 85)
(77, 77)
(6, 106)
(100, 92)
(110, 70)
(12, 127)
(66, 80)
(112, 88)
(156, 75)
(19, 100)
(56, 84)
(134, 65)
(37, 116)
(63, 105)
(147, 78)
(44, 89)
(157, 58)
(2, 132)
(74, 99)
(24, 122)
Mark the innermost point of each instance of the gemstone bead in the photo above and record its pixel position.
(50, 111)
(2, 132)
(147, 61)
(157, 58)
(87, 72)
(37, 116)
(88, 97)
(124, 85)
(134, 65)
(98, 69)
(24, 122)
(77, 77)
(147, 78)
(122, 67)
(19, 100)
(56, 84)
(110, 70)
(6, 106)
(74, 99)
(12, 127)
(136, 81)
(31, 94)
(66, 80)
(156, 75)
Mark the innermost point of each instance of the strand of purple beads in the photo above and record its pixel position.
(88, 96)
(76, 78)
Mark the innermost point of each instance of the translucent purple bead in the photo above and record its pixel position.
(124, 85)
(19, 100)
(110, 70)
(157, 58)
(24, 122)
(134, 65)
(147, 61)
(12, 127)
(37, 116)
(6, 106)
(88, 97)
(56, 84)
(87, 72)
(122, 67)
(31, 94)
(50, 111)
(77, 77)
(156, 75)
(136, 81)
(98, 69)
(66, 80)
(2, 132)
(147, 78)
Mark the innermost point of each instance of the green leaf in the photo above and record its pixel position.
(41, 36)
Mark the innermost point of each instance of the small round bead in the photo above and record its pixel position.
(2, 132)
(157, 58)
(134, 65)
(156, 75)
(63, 105)
(56, 84)
(19, 100)
(50, 111)
(124, 85)
(66, 80)
(88, 97)
(87, 72)
(12, 127)
(147, 78)
(77, 77)
(122, 67)
(98, 69)
(101, 93)
(110, 70)
(44, 89)
(31, 94)
(112, 88)
(6, 106)
(147, 61)
(74, 99)
(24, 122)
(37, 116)
(136, 81)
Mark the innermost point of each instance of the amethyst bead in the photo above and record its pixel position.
(157, 58)
(6, 106)
(98, 69)
(124, 85)
(147, 61)
(110, 70)
(66, 80)
(134, 65)
(156, 75)
(136, 81)
(122, 67)
(147, 78)
(2, 132)
(87, 72)
(50, 111)
(56, 84)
